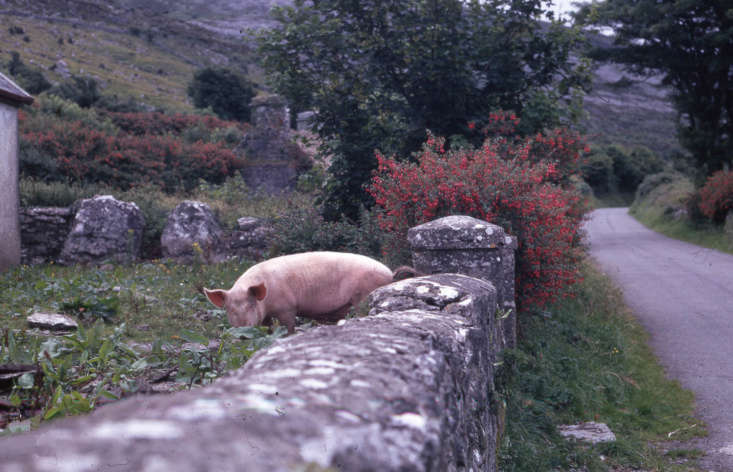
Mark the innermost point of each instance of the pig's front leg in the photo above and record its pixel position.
(287, 319)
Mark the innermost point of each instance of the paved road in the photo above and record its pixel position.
(683, 295)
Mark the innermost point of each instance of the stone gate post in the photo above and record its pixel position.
(469, 246)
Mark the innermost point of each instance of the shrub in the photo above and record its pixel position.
(157, 123)
(513, 183)
(598, 172)
(653, 181)
(84, 91)
(613, 168)
(31, 79)
(716, 196)
(227, 93)
(84, 154)
(631, 167)
(305, 229)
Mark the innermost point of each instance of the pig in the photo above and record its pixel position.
(322, 286)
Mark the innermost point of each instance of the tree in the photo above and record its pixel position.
(84, 91)
(226, 92)
(31, 79)
(691, 44)
(379, 73)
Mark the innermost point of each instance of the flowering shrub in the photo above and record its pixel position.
(508, 181)
(716, 196)
(127, 149)
(125, 160)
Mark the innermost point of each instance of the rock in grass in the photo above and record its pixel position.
(591, 432)
(104, 230)
(53, 322)
(192, 228)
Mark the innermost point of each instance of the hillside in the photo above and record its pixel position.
(131, 52)
(149, 49)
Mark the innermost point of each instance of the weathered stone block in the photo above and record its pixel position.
(467, 245)
(191, 223)
(104, 229)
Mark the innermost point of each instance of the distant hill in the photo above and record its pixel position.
(149, 49)
(132, 52)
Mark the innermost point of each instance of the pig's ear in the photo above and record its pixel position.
(217, 297)
(258, 291)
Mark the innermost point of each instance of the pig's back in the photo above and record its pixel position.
(320, 282)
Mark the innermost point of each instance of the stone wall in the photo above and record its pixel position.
(43, 231)
(408, 387)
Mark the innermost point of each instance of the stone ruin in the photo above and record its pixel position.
(273, 161)
(408, 387)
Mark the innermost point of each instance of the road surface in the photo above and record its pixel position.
(683, 295)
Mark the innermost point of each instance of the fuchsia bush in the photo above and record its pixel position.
(515, 182)
(716, 196)
(146, 149)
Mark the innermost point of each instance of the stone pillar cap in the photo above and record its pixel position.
(458, 232)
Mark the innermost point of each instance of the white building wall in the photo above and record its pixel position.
(9, 224)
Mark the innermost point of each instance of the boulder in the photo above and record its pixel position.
(104, 229)
(191, 223)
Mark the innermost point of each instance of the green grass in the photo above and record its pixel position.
(155, 299)
(587, 359)
(138, 322)
(122, 63)
(656, 211)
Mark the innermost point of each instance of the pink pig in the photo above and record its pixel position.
(322, 286)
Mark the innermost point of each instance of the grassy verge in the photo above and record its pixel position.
(656, 209)
(586, 359)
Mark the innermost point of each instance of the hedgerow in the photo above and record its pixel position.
(716, 196)
(519, 183)
(125, 150)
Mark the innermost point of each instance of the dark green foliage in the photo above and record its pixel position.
(30, 79)
(226, 92)
(630, 167)
(37, 163)
(598, 172)
(84, 91)
(381, 72)
(611, 169)
(304, 229)
(116, 104)
(691, 44)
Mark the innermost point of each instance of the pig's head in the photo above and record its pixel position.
(243, 306)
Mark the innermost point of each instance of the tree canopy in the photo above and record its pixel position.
(691, 43)
(379, 73)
